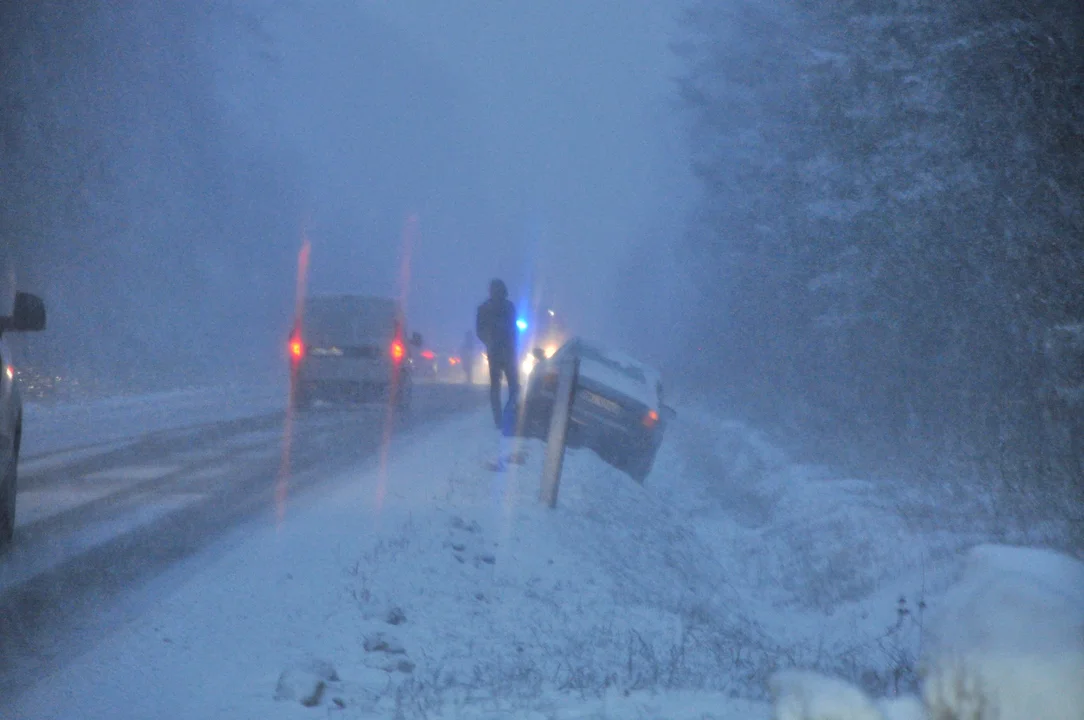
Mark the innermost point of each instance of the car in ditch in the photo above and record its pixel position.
(617, 408)
(28, 315)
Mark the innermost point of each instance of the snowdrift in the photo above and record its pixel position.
(1007, 644)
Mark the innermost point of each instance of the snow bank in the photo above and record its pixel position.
(1009, 642)
(826, 568)
(802, 695)
(1006, 644)
(616, 705)
(424, 586)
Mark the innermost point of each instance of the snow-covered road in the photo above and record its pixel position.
(421, 585)
(59, 431)
(169, 477)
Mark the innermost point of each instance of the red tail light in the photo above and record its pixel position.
(428, 354)
(398, 351)
(650, 419)
(297, 348)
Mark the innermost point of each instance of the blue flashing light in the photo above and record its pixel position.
(521, 324)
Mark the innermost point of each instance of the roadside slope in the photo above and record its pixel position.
(426, 586)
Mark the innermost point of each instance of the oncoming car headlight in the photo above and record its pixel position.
(527, 366)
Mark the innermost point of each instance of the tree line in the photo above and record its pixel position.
(159, 235)
(889, 241)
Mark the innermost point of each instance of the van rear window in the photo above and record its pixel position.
(346, 324)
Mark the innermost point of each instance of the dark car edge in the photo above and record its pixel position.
(28, 315)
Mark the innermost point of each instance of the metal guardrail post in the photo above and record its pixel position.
(555, 441)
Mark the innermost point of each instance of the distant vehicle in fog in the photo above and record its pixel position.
(617, 410)
(28, 315)
(437, 366)
(351, 348)
(426, 365)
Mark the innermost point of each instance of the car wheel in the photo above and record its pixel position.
(536, 418)
(639, 467)
(8, 492)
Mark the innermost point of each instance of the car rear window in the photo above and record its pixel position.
(345, 322)
(595, 355)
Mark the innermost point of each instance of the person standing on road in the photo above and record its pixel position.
(466, 355)
(496, 328)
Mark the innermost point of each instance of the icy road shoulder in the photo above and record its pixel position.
(429, 587)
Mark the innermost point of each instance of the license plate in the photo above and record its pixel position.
(599, 401)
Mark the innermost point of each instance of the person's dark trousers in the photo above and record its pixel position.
(496, 369)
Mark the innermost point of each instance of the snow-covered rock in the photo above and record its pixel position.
(1008, 641)
(382, 643)
(902, 708)
(306, 682)
(803, 695)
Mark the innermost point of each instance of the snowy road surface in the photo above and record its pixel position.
(96, 520)
(65, 427)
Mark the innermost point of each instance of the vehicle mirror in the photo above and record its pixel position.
(668, 413)
(539, 354)
(416, 339)
(28, 314)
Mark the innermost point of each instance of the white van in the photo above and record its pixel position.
(351, 348)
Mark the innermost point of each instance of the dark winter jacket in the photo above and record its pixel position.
(496, 327)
